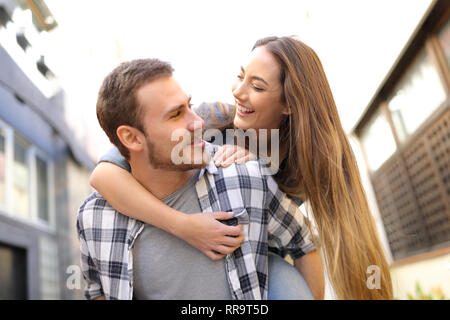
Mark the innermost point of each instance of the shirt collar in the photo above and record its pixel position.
(211, 166)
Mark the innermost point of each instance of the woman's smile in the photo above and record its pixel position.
(243, 111)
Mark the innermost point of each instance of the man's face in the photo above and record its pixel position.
(167, 110)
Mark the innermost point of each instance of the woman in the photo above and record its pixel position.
(284, 86)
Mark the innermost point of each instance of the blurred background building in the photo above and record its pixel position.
(404, 136)
(43, 169)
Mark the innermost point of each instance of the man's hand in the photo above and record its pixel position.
(213, 238)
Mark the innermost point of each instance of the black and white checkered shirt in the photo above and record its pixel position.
(271, 221)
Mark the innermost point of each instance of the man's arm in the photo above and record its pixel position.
(93, 289)
(310, 266)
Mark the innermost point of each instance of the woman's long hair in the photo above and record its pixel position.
(320, 165)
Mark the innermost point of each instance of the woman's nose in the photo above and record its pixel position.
(238, 90)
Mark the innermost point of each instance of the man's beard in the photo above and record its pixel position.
(160, 161)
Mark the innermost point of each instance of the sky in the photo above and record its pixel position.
(207, 41)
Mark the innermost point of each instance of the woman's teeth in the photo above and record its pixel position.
(245, 110)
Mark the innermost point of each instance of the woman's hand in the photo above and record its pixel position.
(213, 238)
(228, 154)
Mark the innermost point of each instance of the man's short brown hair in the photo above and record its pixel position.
(117, 103)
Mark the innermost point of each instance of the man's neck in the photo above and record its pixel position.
(160, 182)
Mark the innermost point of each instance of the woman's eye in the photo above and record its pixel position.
(240, 77)
(258, 88)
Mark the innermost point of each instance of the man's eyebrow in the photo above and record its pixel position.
(255, 77)
(175, 108)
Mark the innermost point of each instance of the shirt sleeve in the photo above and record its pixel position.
(287, 229)
(216, 115)
(93, 288)
(298, 200)
(114, 156)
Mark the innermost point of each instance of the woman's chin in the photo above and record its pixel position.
(241, 123)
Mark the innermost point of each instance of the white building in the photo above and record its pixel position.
(43, 170)
(403, 141)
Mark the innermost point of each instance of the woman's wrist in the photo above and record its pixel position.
(177, 223)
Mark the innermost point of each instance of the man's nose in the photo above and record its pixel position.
(195, 123)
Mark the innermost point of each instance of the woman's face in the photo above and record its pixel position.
(257, 92)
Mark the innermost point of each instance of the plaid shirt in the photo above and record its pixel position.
(270, 219)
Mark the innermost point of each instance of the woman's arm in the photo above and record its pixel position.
(310, 266)
(201, 230)
(216, 115)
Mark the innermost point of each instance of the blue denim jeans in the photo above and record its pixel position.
(285, 282)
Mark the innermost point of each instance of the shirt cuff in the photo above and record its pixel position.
(298, 253)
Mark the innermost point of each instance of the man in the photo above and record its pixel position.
(139, 106)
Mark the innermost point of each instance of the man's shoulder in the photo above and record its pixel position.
(252, 175)
(253, 168)
(246, 177)
(94, 202)
(96, 211)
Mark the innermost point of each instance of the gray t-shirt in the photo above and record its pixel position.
(166, 267)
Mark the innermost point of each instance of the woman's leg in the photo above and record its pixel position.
(285, 282)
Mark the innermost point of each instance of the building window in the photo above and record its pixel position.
(416, 96)
(42, 189)
(21, 174)
(378, 141)
(27, 193)
(2, 167)
(411, 177)
(444, 39)
(4, 16)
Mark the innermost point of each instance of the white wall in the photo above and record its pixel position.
(429, 273)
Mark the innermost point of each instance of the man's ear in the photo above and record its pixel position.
(132, 138)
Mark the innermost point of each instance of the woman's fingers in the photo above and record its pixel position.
(229, 154)
(233, 242)
(221, 249)
(220, 155)
(224, 153)
(232, 230)
(230, 160)
(230, 241)
(242, 156)
(239, 156)
(243, 159)
(214, 255)
(227, 246)
(220, 215)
